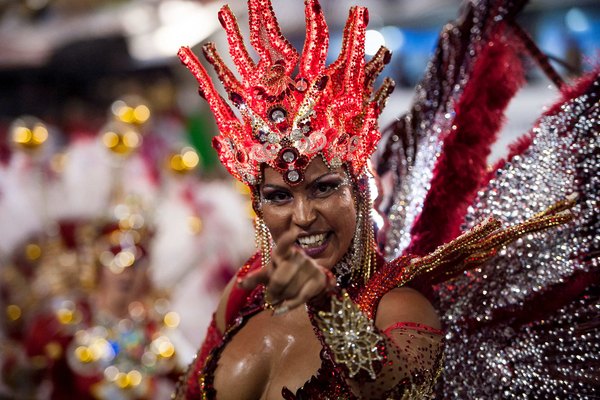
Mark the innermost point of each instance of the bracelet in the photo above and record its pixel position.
(350, 335)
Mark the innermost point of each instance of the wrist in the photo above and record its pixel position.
(322, 300)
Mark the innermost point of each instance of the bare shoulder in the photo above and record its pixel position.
(405, 304)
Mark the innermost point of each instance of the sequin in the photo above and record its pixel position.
(532, 354)
(343, 90)
(277, 115)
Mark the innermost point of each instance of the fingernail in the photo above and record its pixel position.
(281, 310)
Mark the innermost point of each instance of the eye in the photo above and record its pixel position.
(276, 196)
(323, 189)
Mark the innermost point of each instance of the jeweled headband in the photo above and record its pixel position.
(286, 122)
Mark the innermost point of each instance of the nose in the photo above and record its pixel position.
(304, 213)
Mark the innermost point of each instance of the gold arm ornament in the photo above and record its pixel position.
(351, 335)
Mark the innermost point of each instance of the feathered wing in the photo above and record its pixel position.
(437, 151)
(527, 322)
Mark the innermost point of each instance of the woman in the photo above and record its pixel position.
(313, 226)
(316, 313)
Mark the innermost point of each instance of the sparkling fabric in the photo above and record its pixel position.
(527, 323)
(414, 143)
(287, 120)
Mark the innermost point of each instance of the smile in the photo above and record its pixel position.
(314, 245)
(312, 240)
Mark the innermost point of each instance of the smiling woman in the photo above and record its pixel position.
(317, 313)
(312, 297)
(321, 211)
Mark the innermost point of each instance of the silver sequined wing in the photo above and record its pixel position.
(412, 146)
(527, 323)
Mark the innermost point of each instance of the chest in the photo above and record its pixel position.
(267, 354)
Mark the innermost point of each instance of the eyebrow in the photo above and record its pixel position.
(316, 180)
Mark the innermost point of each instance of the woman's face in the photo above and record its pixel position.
(321, 211)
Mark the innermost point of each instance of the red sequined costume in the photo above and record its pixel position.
(331, 112)
(418, 347)
(329, 380)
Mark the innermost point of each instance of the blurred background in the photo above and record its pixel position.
(106, 165)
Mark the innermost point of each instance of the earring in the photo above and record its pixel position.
(363, 242)
(263, 241)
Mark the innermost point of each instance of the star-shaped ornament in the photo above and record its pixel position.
(350, 335)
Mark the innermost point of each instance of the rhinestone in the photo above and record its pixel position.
(296, 134)
(335, 162)
(288, 156)
(293, 175)
(262, 136)
(277, 115)
(250, 179)
(301, 85)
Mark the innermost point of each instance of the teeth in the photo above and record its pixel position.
(312, 240)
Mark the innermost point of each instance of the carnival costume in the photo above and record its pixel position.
(331, 112)
(89, 353)
(525, 324)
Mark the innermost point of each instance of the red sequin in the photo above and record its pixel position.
(337, 98)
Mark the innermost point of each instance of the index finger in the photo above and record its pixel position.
(283, 247)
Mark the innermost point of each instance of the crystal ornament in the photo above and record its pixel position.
(278, 115)
(350, 335)
(292, 176)
(288, 156)
(321, 102)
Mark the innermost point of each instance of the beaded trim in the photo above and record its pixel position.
(351, 336)
(287, 120)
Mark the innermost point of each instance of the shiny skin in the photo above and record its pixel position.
(272, 351)
(320, 204)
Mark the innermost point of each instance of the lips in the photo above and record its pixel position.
(315, 244)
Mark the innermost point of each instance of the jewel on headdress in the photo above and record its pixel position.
(277, 114)
(307, 113)
(292, 177)
(301, 85)
(288, 156)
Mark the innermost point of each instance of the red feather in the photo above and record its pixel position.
(461, 168)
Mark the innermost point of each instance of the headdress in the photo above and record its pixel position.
(286, 121)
